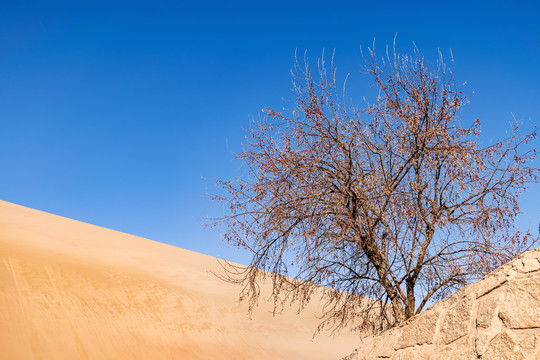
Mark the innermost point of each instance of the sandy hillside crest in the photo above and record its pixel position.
(70, 290)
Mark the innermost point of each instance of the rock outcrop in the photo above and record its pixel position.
(496, 318)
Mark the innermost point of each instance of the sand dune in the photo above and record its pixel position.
(70, 290)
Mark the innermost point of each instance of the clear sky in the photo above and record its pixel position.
(122, 114)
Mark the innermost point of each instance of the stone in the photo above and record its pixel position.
(503, 346)
(528, 263)
(488, 324)
(417, 353)
(521, 307)
(384, 345)
(530, 344)
(498, 318)
(457, 320)
(462, 349)
(487, 306)
(489, 283)
(421, 330)
(528, 340)
(484, 336)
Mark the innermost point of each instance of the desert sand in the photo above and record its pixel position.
(70, 290)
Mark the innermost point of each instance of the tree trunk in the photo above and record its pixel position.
(409, 305)
(398, 311)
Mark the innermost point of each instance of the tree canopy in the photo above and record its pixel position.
(396, 201)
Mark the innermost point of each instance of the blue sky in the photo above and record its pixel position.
(122, 114)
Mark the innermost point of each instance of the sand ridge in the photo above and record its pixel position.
(70, 290)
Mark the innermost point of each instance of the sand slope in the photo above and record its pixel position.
(70, 290)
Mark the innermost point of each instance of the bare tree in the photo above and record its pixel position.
(397, 202)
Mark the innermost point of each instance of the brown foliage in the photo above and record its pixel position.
(396, 202)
